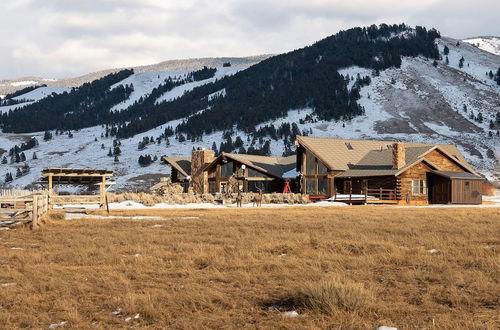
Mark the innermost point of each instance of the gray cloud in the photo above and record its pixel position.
(68, 37)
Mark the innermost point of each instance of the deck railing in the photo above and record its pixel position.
(366, 194)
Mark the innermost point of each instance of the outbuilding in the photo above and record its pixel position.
(455, 188)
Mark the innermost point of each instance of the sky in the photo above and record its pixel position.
(65, 38)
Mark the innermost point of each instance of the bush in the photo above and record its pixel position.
(333, 295)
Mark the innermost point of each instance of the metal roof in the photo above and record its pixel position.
(274, 166)
(181, 164)
(343, 154)
(458, 175)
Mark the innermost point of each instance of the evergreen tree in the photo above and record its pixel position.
(214, 148)
(447, 60)
(116, 159)
(23, 157)
(4, 160)
(446, 50)
(19, 173)
(435, 63)
(461, 62)
(18, 158)
(34, 156)
(117, 151)
(8, 177)
(47, 136)
(110, 153)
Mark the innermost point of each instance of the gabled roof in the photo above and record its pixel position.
(458, 175)
(354, 156)
(273, 166)
(181, 164)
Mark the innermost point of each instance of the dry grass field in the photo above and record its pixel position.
(341, 268)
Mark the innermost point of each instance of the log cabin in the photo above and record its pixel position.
(209, 174)
(385, 172)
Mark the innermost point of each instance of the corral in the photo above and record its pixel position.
(405, 267)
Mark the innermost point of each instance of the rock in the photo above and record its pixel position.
(383, 327)
(53, 326)
(290, 314)
(7, 284)
(433, 251)
(128, 319)
(137, 316)
(282, 255)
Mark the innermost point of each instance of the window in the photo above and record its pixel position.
(310, 186)
(467, 183)
(254, 186)
(322, 185)
(419, 187)
(348, 146)
(256, 174)
(310, 163)
(322, 168)
(211, 187)
(226, 170)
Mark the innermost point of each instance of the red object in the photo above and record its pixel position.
(286, 188)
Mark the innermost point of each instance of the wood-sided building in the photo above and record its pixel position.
(209, 174)
(386, 171)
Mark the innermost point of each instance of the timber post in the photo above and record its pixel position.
(50, 191)
(34, 221)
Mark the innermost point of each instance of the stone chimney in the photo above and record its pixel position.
(199, 179)
(398, 155)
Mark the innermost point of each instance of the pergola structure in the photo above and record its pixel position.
(77, 176)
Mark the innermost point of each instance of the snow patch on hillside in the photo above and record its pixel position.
(41, 92)
(489, 44)
(143, 84)
(180, 90)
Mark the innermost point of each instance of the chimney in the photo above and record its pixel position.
(199, 179)
(398, 155)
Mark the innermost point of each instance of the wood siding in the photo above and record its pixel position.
(443, 162)
(465, 191)
(419, 171)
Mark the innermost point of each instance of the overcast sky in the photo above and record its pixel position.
(59, 38)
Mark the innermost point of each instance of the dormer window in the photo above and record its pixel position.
(349, 146)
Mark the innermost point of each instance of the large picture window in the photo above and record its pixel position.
(316, 179)
(226, 170)
(419, 187)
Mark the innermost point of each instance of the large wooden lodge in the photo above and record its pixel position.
(344, 170)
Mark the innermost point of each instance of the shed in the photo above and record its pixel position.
(455, 188)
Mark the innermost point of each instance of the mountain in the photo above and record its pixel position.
(489, 44)
(387, 82)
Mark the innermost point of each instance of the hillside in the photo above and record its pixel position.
(415, 99)
(489, 44)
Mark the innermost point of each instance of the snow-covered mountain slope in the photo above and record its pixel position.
(12, 85)
(417, 102)
(489, 44)
(33, 96)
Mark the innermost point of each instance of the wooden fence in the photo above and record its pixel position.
(29, 208)
(14, 193)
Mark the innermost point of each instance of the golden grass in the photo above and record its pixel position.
(198, 269)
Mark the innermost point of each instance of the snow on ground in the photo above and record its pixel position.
(489, 44)
(144, 83)
(418, 103)
(41, 92)
(33, 96)
(180, 90)
(23, 83)
(13, 107)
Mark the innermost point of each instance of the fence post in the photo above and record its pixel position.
(34, 221)
(366, 194)
(380, 193)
